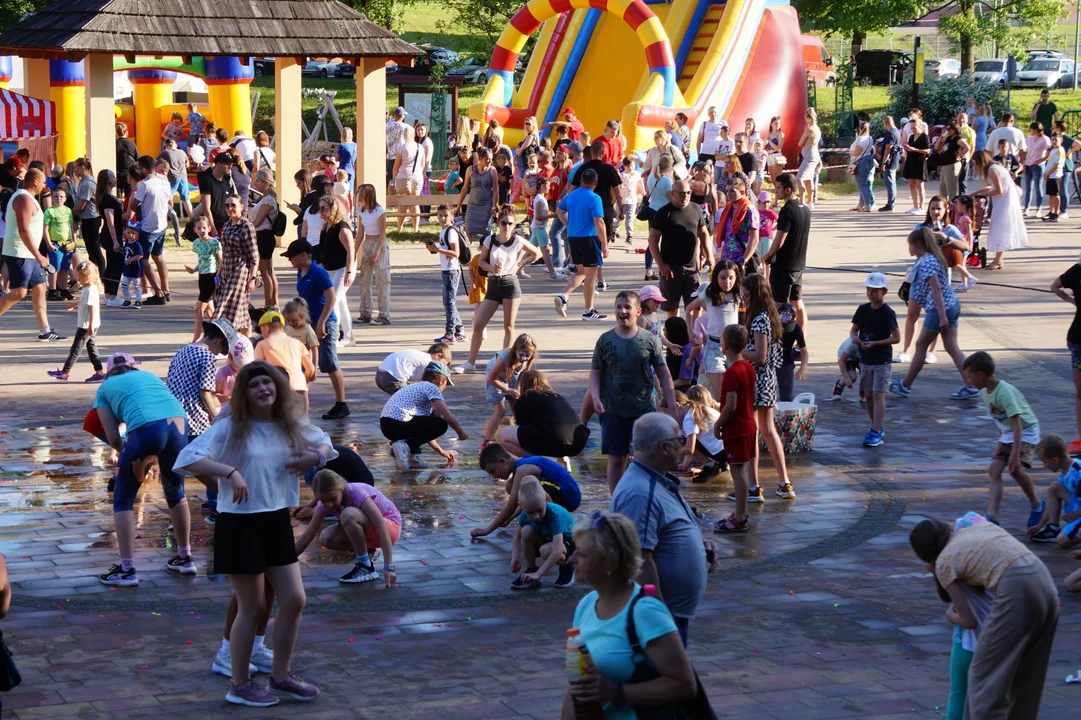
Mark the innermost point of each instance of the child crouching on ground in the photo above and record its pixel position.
(545, 531)
(701, 442)
(1019, 432)
(88, 320)
(1063, 497)
(558, 484)
(736, 425)
(848, 362)
(366, 518)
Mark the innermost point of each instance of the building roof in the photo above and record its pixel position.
(68, 29)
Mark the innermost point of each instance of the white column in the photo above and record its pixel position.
(100, 115)
(287, 129)
(371, 123)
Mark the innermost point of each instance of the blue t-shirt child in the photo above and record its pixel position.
(452, 185)
(347, 157)
(195, 124)
(555, 480)
(1071, 480)
(311, 287)
(137, 398)
(133, 269)
(555, 521)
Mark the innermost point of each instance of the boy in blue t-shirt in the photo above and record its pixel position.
(545, 530)
(557, 483)
(453, 184)
(1063, 497)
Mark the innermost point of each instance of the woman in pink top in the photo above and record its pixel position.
(365, 518)
(1039, 146)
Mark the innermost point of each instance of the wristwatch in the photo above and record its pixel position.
(388, 568)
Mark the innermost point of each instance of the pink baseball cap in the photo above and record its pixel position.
(651, 292)
(763, 197)
(242, 351)
(121, 358)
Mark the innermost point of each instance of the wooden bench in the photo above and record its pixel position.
(399, 206)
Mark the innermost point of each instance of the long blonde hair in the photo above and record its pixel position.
(921, 237)
(337, 212)
(701, 400)
(267, 175)
(327, 481)
(286, 413)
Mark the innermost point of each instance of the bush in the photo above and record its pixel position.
(942, 98)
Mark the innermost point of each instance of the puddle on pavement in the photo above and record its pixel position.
(53, 489)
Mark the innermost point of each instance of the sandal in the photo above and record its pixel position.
(731, 526)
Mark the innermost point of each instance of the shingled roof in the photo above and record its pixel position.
(245, 28)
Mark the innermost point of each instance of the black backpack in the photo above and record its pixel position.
(464, 253)
(279, 224)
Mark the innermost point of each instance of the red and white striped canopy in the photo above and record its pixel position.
(25, 117)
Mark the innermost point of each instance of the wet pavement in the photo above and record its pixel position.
(822, 611)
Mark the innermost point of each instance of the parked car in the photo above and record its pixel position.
(319, 68)
(345, 69)
(474, 70)
(992, 71)
(818, 64)
(264, 66)
(1046, 73)
(441, 55)
(1037, 54)
(941, 68)
(881, 67)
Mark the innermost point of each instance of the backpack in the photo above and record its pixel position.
(279, 224)
(464, 253)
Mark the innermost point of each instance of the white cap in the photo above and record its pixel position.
(877, 280)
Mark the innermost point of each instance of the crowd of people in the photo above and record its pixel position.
(693, 391)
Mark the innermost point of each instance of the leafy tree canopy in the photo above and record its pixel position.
(856, 17)
(11, 11)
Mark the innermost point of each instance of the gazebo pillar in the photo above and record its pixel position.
(100, 112)
(288, 135)
(371, 165)
(36, 78)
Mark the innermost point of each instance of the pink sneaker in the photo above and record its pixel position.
(251, 694)
(294, 688)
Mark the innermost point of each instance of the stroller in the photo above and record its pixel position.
(978, 256)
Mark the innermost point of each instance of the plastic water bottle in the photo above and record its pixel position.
(579, 664)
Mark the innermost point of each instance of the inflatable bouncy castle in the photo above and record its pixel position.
(643, 61)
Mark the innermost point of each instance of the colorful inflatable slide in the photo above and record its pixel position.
(644, 61)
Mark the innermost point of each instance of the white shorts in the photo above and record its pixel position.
(714, 361)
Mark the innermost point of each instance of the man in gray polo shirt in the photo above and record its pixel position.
(675, 558)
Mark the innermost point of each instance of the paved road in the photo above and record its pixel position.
(821, 612)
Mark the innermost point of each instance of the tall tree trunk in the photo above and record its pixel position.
(859, 41)
(968, 53)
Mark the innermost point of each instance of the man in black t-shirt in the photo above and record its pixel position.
(215, 185)
(788, 253)
(678, 239)
(747, 160)
(607, 183)
(126, 155)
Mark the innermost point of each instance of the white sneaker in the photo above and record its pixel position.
(115, 302)
(930, 359)
(557, 276)
(262, 659)
(400, 448)
(561, 305)
(223, 664)
(466, 367)
(967, 284)
(902, 357)
(913, 211)
(523, 274)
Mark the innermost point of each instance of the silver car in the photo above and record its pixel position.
(942, 68)
(1046, 73)
(992, 71)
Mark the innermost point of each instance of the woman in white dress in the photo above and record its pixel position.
(1007, 230)
(807, 175)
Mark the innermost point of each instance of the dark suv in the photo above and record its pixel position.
(881, 67)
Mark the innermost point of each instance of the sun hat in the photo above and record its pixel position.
(118, 359)
(651, 292)
(877, 280)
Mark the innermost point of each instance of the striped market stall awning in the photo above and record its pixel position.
(24, 117)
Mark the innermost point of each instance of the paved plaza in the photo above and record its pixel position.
(821, 611)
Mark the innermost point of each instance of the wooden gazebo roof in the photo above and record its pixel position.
(69, 29)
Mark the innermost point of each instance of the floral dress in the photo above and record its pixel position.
(239, 263)
(766, 374)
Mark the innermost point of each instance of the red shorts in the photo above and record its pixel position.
(741, 449)
(371, 535)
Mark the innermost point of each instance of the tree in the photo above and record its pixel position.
(856, 18)
(1009, 24)
(11, 11)
(486, 19)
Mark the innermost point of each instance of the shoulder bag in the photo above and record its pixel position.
(697, 708)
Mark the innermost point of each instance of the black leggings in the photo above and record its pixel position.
(114, 267)
(91, 229)
(83, 337)
(417, 432)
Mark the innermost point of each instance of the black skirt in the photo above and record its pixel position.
(249, 543)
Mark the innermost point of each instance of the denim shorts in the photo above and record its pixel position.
(23, 272)
(328, 349)
(153, 243)
(714, 361)
(539, 237)
(930, 317)
(503, 287)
